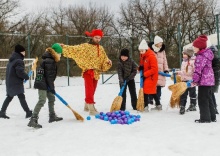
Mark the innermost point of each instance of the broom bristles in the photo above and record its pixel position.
(77, 115)
(140, 101)
(177, 90)
(116, 104)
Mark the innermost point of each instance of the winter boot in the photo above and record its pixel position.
(3, 115)
(216, 111)
(53, 117)
(192, 107)
(146, 109)
(86, 109)
(92, 110)
(34, 122)
(182, 109)
(28, 114)
(158, 107)
(202, 121)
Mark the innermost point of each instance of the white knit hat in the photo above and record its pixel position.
(143, 45)
(157, 39)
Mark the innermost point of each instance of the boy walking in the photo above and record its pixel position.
(15, 76)
(44, 82)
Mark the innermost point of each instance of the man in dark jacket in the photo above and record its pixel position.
(127, 70)
(15, 76)
(44, 82)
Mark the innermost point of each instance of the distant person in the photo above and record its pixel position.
(92, 59)
(127, 70)
(186, 73)
(44, 82)
(15, 76)
(149, 65)
(159, 49)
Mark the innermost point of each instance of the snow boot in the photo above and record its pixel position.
(202, 121)
(86, 109)
(216, 111)
(92, 110)
(34, 122)
(28, 114)
(158, 107)
(3, 115)
(192, 107)
(182, 109)
(53, 117)
(146, 109)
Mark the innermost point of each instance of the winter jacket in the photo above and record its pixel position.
(150, 72)
(215, 67)
(50, 57)
(88, 56)
(15, 75)
(203, 74)
(162, 63)
(126, 70)
(187, 69)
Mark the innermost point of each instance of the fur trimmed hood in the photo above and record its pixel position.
(53, 54)
(151, 47)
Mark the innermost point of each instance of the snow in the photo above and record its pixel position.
(164, 133)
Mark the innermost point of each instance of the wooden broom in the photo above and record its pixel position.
(116, 104)
(140, 101)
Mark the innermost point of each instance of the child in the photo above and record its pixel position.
(203, 77)
(44, 82)
(158, 48)
(127, 70)
(187, 69)
(148, 62)
(15, 76)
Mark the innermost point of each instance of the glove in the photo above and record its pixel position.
(128, 79)
(141, 68)
(121, 83)
(53, 91)
(166, 71)
(188, 83)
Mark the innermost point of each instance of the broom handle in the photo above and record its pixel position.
(141, 79)
(122, 89)
(29, 75)
(174, 75)
(61, 99)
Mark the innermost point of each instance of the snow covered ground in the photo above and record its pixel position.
(164, 133)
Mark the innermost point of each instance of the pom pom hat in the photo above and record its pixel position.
(143, 45)
(200, 42)
(95, 32)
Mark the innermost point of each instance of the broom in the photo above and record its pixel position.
(116, 104)
(177, 90)
(140, 101)
(78, 117)
(33, 69)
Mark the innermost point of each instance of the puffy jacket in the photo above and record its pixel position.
(49, 67)
(150, 72)
(15, 75)
(203, 74)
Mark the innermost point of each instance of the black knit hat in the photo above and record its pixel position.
(125, 52)
(19, 48)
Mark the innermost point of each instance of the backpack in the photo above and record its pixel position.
(216, 63)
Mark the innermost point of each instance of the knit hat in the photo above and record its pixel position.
(125, 52)
(143, 45)
(157, 39)
(200, 42)
(95, 32)
(57, 48)
(19, 48)
(188, 51)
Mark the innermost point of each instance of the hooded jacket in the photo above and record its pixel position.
(15, 75)
(162, 63)
(49, 66)
(203, 74)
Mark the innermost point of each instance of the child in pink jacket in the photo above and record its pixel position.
(186, 73)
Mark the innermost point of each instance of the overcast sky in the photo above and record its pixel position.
(35, 5)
